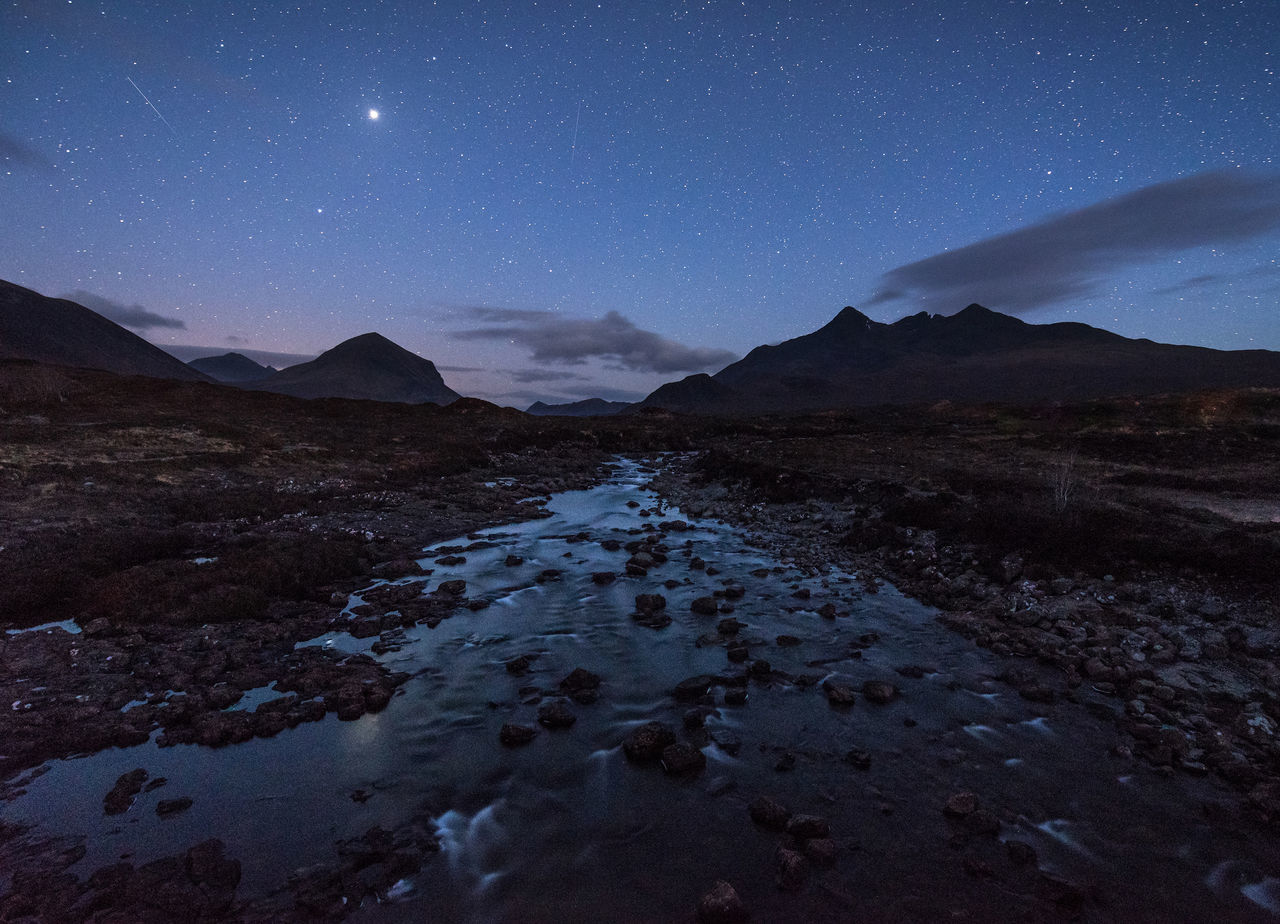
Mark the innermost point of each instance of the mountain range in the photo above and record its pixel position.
(974, 356)
(368, 366)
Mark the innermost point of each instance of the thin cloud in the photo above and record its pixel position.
(1192, 282)
(552, 338)
(11, 149)
(134, 316)
(1068, 255)
(531, 376)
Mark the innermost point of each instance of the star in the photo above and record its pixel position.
(373, 115)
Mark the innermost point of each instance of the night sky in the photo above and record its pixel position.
(562, 200)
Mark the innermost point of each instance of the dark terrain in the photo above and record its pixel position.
(1117, 555)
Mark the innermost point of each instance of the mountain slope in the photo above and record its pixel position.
(976, 355)
(55, 330)
(368, 366)
(589, 407)
(231, 367)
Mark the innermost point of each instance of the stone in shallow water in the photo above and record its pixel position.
(683, 759)
(879, 691)
(692, 688)
(793, 868)
(804, 827)
(514, 735)
(722, 905)
(960, 804)
(173, 806)
(647, 742)
(769, 813)
(705, 606)
(555, 715)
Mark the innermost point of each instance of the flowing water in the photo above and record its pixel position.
(566, 829)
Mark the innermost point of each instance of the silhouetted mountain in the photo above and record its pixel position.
(590, 407)
(231, 367)
(55, 330)
(974, 356)
(369, 366)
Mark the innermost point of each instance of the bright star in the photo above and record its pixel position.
(373, 114)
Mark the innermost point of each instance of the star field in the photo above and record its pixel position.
(717, 175)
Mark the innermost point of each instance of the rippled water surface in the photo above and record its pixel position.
(565, 828)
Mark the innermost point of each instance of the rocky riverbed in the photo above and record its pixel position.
(670, 700)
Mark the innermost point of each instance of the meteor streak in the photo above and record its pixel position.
(153, 106)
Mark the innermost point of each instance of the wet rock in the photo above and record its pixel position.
(547, 575)
(610, 545)
(722, 906)
(735, 696)
(603, 577)
(879, 691)
(122, 793)
(697, 564)
(1066, 895)
(793, 869)
(449, 561)
(960, 804)
(705, 606)
(513, 561)
(650, 603)
(658, 620)
(982, 822)
(514, 735)
(786, 763)
(647, 742)
(839, 694)
(858, 758)
(821, 851)
(727, 741)
(1021, 853)
(769, 813)
(911, 671)
(730, 626)
(683, 759)
(738, 652)
(167, 807)
(582, 686)
(827, 611)
(556, 715)
(693, 688)
(787, 641)
(519, 665)
(804, 827)
(760, 668)
(454, 588)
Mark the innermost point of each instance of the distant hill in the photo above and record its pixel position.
(591, 407)
(55, 330)
(369, 366)
(975, 356)
(231, 367)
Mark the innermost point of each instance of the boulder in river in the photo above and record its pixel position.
(514, 735)
(769, 813)
(693, 688)
(705, 606)
(683, 759)
(647, 742)
(722, 905)
(556, 715)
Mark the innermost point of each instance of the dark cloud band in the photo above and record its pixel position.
(1065, 256)
(134, 316)
(555, 339)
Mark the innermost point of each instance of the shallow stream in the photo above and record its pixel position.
(566, 829)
